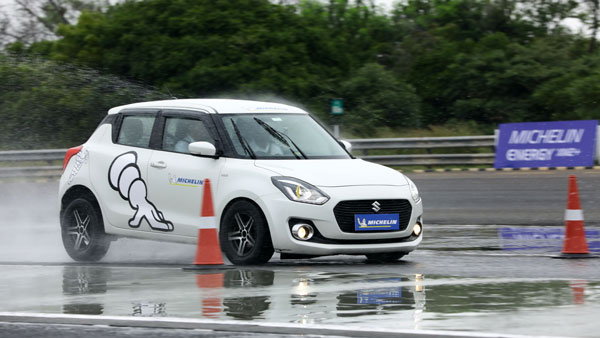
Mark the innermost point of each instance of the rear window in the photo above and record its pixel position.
(136, 130)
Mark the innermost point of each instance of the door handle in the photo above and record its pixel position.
(159, 164)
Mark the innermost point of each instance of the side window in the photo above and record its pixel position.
(136, 130)
(180, 132)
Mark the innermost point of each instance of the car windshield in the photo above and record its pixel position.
(280, 136)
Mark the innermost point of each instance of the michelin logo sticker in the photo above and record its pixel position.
(80, 159)
(124, 176)
(366, 222)
(185, 182)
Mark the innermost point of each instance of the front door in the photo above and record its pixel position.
(178, 178)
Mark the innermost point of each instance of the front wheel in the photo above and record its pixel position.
(385, 257)
(82, 231)
(244, 234)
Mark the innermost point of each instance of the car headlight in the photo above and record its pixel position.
(299, 191)
(414, 192)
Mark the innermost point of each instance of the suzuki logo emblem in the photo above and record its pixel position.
(376, 206)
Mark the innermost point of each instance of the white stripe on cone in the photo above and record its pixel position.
(573, 215)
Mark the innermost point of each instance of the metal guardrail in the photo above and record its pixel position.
(32, 155)
(44, 155)
(42, 171)
(362, 145)
(427, 143)
(432, 159)
(424, 142)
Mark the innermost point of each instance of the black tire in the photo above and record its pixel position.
(244, 235)
(82, 231)
(385, 257)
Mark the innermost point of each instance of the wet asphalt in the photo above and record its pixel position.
(506, 198)
(89, 331)
(497, 277)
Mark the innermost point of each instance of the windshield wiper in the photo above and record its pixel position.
(243, 142)
(281, 137)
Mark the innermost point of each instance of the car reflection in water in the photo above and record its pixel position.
(374, 301)
(252, 307)
(83, 281)
(302, 294)
(241, 294)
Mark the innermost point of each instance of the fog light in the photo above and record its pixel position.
(302, 231)
(417, 229)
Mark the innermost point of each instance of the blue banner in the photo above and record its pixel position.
(547, 238)
(370, 222)
(546, 144)
(379, 296)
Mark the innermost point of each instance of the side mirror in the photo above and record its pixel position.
(346, 145)
(202, 148)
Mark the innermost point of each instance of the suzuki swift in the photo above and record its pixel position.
(279, 182)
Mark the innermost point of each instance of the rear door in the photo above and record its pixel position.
(119, 170)
(178, 177)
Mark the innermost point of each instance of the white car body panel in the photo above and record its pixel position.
(335, 173)
(215, 106)
(324, 220)
(179, 187)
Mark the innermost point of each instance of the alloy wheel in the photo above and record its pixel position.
(79, 230)
(242, 236)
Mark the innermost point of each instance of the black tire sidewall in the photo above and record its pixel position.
(98, 240)
(263, 247)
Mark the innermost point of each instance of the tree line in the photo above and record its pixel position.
(427, 62)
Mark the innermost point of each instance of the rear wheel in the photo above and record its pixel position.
(82, 231)
(244, 234)
(385, 257)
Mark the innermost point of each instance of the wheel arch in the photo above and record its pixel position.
(81, 198)
(230, 203)
(79, 191)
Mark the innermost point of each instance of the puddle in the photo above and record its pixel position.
(308, 296)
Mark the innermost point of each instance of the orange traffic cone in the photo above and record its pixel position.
(578, 287)
(212, 305)
(575, 244)
(207, 201)
(208, 251)
(210, 280)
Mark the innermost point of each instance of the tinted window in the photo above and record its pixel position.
(179, 133)
(136, 130)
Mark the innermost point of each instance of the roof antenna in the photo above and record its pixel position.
(170, 94)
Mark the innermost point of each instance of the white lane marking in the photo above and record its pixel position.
(237, 326)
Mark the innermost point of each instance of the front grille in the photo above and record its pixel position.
(344, 212)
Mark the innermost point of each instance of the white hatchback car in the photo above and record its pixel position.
(280, 182)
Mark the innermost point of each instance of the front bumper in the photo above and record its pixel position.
(331, 239)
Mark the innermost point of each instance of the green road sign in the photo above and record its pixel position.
(337, 106)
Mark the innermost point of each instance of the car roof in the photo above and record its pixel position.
(215, 106)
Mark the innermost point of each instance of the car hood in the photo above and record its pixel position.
(334, 173)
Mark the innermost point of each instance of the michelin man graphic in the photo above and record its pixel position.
(124, 176)
(80, 159)
(363, 223)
